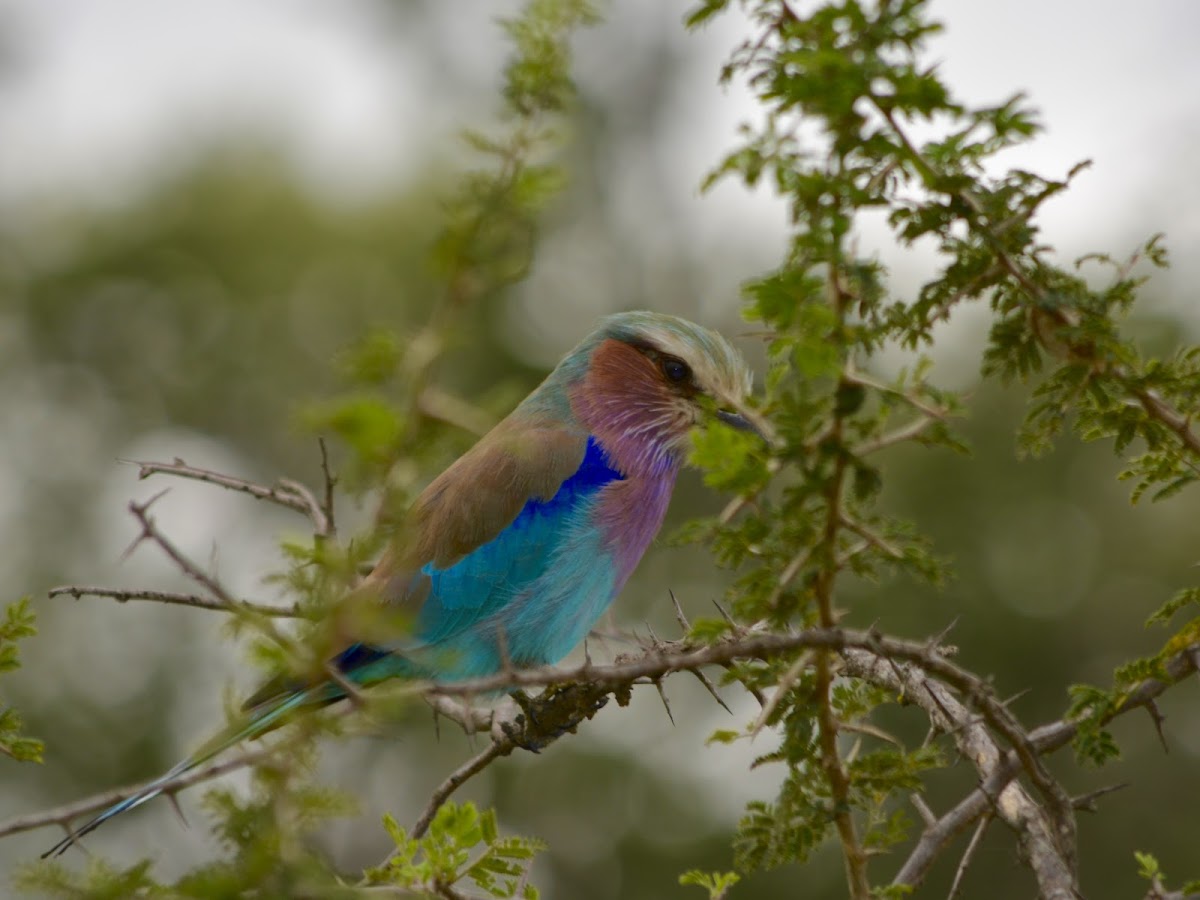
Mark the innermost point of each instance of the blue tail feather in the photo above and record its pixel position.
(260, 718)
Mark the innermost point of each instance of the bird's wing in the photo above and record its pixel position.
(488, 527)
(478, 534)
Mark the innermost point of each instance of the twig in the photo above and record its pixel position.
(968, 855)
(1087, 802)
(122, 595)
(329, 480)
(437, 404)
(876, 540)
(151, 533)
(899, 435)
(286, 492)
(932, 412)
(62, 815)
(781, 690)
(454, 781)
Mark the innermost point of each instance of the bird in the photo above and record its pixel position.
(511, 555)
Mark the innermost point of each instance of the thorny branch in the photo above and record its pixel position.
(917, 670)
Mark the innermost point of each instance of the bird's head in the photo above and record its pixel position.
(642, 380)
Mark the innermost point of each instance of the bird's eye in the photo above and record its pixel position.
(675, 369)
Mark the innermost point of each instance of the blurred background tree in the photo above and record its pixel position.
(188, 300)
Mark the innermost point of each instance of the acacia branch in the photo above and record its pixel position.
(581, 690)
(1010, 802)
(827, 725)
(197, 601)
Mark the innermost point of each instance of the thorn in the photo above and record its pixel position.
(726, 616)
(1158, 718)
(178, 809)
(679, 616)
(662, 695)
(654, 641)
(1015, 697)
(935, 642)
(143, 507)
(1087, 802)
(128, 551)
(712, 690)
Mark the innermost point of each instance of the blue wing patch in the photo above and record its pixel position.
(481, 583)
(478, 587)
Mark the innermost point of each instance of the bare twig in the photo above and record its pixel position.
(1087, 802)
(286, 492)
(63, 815)
(122, 595)
(455, 780)
(968, 855)
(900, 435)
(151, 532)
(329, 481)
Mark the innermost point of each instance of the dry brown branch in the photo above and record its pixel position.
(122, 595)
(899, 435)
(456, 779)
(150, 532)
(868, 655)
(968, 855)
(285, 492)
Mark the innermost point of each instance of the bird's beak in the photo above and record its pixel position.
(741, 422)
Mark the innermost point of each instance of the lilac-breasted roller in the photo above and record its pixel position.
(521, 544)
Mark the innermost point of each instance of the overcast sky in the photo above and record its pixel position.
(96, 95)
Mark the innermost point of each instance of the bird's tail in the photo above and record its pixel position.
(256, 721)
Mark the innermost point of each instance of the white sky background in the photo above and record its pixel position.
(94, 96)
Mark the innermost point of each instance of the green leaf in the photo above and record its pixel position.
(718, 884)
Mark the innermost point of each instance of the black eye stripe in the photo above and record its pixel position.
(674, 369)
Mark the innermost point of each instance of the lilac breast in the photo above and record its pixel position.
(630, 513)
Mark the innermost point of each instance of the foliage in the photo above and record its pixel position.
(18, 623)
(842, 85)
(1149, 869)
(443, 859)
(718, 884)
